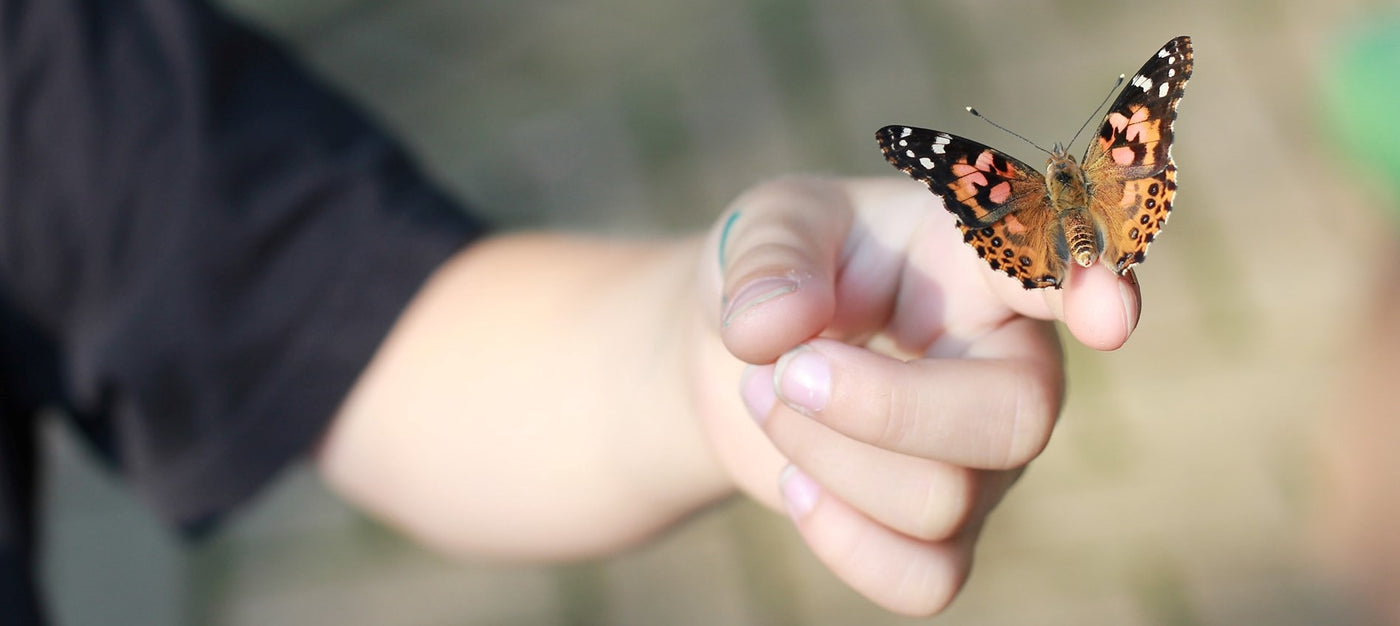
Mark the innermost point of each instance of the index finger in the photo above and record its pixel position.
(991, 408)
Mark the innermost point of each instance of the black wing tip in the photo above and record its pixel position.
(887, 135)
(1180, 42)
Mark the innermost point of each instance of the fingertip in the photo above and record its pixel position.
(769, 315)
(778, 252)
(902, 574)
(1101, 308)
(1131, 293)
(800, 492)
(755, 293)
(757, 392)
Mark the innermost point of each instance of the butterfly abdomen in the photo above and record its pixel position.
(1081, 236)
(1110, 207)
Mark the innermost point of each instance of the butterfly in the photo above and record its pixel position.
(1108, 207)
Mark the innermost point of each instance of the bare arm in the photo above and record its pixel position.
(533, 402)
(554, 397)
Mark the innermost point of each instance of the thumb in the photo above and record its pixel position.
(778, 248)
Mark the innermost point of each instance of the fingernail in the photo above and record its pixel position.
(1130, 300)
(756, 389)
(756, 293)
(803, 379)
(799, 491)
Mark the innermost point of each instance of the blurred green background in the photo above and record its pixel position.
(1182, 485)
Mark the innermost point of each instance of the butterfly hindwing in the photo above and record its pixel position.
(999, 201)
(1145, 207)
(1022, 227)
(1024, 249)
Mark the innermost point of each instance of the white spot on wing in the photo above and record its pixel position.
(938, 148)
(927, 163)
(909, 153)
(941, 139)
(906, 132)
(903, 143)
(1141, 82)
(1162, 52)
(1162, 91)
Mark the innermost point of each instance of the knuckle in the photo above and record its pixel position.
(929, 586)
(900, 421)
(945, 505)
(1035, 409)
(772, 196)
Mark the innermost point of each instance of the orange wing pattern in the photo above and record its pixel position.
(1140, 214)
(1021, 246)
(1004, 208)
(999, 201)
(1129, 164)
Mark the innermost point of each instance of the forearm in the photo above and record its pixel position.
(534, 400)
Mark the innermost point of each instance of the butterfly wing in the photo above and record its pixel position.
(1000, 202)
(1129, 163)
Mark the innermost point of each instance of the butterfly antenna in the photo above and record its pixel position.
(1096, 111)
(1007, 130)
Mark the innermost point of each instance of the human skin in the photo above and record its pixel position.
(552, 397)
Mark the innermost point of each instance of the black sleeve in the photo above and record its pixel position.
(212, 243)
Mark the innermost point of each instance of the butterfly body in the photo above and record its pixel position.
(1106, 208)
(1067, 189)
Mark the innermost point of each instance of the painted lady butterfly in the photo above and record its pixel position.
(1030, 226)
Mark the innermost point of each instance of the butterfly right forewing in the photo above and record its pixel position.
(1000, 202)
(1129, 162)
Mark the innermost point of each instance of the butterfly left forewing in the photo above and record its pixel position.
(999, 201)
(1003, 205)
(1132, 177)
(978, 183)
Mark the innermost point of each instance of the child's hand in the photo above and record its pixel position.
(903, 382)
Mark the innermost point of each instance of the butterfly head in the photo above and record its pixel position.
(1063, 174)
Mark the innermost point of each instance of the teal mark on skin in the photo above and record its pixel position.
(724, 235)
